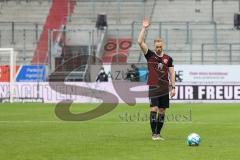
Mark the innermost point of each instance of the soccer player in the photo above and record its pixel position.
(161, 70)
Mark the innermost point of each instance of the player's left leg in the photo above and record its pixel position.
(153, 121)
(160, 120)
(163, 105)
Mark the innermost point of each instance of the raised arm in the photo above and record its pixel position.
(141, 41)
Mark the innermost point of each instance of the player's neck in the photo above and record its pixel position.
(159, 54)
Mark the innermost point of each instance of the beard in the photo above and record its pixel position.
(159, 51)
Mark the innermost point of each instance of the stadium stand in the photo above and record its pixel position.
(224, 10)
(56, 18)
(120, 16)
(189, 33)
(82, 24)
(192, 35)
(21, 24)
(182, 10)
(196, 10)
(118, 12)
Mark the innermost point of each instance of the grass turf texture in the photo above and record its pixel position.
(32, 131)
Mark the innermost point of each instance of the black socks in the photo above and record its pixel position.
(160, 121)
(153, 121)
(156, 122)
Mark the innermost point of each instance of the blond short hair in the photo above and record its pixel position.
(158, 40)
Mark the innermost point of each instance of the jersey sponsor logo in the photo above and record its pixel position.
(160, 66)
(165, 61)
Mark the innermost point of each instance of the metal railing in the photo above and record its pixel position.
(13, 29)
(227, 51)
(187, 38)
(187, 42)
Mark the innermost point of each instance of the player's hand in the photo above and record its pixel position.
(172, 93)
(146, 23)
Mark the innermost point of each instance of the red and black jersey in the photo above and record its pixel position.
(158, 68)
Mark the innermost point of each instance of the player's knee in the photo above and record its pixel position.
(153, 109)
(161, 110)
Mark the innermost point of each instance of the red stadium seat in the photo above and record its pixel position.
(55, 19)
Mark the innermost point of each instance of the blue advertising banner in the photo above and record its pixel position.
(31, 73)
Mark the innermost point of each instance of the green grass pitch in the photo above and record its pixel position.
(33, 132)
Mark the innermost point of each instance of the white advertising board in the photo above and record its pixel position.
(90, 92)
(207, 73)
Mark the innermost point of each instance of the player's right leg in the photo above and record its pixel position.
(153, 110)
(153, 121)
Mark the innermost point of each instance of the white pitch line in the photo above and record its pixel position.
(30, 121)
(120, 122)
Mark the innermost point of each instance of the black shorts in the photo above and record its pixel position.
(158, 97)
